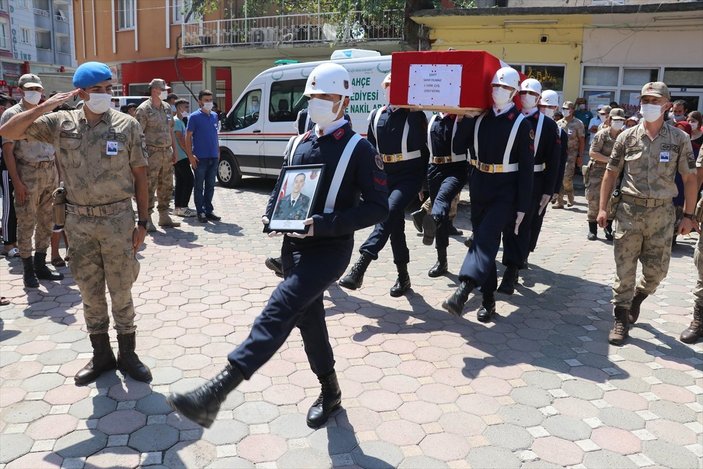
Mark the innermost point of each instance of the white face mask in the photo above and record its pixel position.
(32, 97)
(208, 106)
(582, 107)
(548, 112)
(566, 112)
(651, 112)
(320, 111)
(99, 103)
(694, 125)
(617, 124)
(163, 95)
(173, 108)
(501, 96)
(602, 117)
(677, 118)
(528, 101)
(255, 106)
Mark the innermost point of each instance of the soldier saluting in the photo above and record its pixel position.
(102, 159)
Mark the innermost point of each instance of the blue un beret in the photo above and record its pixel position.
(90, 73)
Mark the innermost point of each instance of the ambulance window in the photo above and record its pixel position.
(286, 100)
(246, 113)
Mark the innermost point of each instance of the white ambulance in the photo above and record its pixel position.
(257, 128)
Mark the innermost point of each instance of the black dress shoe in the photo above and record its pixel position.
(417, 217)
(202, 218)
(274, 263)
(486, 311)
(213, 217)
(453, 231)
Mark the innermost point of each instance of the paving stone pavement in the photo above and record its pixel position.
(537, 388)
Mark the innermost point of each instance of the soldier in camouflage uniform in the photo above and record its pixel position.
(601, 147)
(32, 169)
(577, 141)
(648, 155)
(156, 119)
(695, 330)
(103, 164)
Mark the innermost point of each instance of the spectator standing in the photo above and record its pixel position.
(9, 220)
(582, 113)
(182, 169)
(576, 135)
(203, 152)
(678, 111)
(32, 168)
(695, 120)
(156, 119)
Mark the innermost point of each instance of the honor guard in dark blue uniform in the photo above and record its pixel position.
(548, 105)
(399, 135)
(312, 261)
(516, 247)
(500, 184)
(446, 176)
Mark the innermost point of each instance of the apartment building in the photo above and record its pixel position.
(36, 36)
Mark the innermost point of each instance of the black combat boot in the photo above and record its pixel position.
(488, 308)
(635, 308)
(507, 284)
(274, 263)
(355, 278)
(418, 216)
(29, 277)
(695, 330)
(42, 271)
(429, 227)
(128, 362)
(103, 360)
(402, 283)
(592, 231)
(453, 230)
(440, 268)
(455, 303)
(609, 230)
(202, 404)
(619, 332)
(329, 400)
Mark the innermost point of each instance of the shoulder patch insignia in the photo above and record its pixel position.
(338, 134)
(379, 161)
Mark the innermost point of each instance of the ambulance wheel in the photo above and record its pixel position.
(228, 171)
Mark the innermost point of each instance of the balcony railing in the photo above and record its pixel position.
(270, 31)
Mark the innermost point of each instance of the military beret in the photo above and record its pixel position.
(91, 73)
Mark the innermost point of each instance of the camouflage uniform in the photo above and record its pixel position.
(602, 143)
(37, 170)
(100, 218)
(157, 124)
(645, 214)
(575, 130)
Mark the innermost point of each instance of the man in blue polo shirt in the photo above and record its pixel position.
(204, 154)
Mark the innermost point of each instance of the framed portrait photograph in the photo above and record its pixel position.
(295, 199)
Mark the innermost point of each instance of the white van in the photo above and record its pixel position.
(253, 137)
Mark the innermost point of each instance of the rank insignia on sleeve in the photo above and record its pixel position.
(379, 161)
(380, 182)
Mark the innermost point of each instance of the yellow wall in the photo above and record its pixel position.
(516, 39)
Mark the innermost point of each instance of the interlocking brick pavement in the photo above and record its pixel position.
(539, 387)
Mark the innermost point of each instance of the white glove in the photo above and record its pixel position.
(518, 221)
(543, 203)
(311, 231)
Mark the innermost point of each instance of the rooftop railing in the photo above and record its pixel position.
(270, 31)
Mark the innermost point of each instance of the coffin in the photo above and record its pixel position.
(457, 82)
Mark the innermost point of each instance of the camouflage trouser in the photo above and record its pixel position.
(593, 182)
(101, 254)
(642, 234)
(34, 216)
(698, 260)
(568, 182)
(160, 177)
(453, 208)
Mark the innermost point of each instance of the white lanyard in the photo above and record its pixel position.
(540, 121)
(406, 132)
(511, 138)
(451, 141)
(296, 141)
(339, 173)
